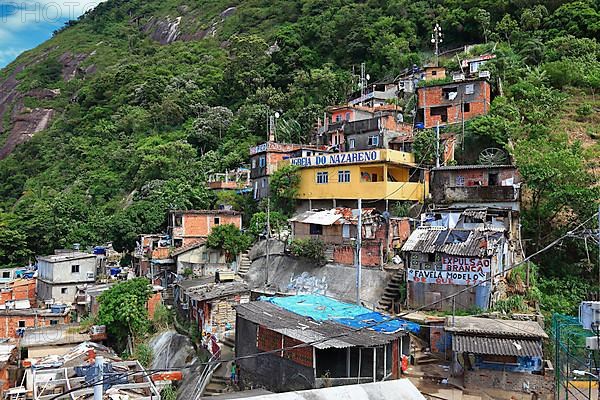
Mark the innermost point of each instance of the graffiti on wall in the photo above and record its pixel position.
(305, 283)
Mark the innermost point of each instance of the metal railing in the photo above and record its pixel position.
(211, 366)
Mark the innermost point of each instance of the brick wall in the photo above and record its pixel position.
(197, 225)
(10, 323)
(478, 103)
(370, 254)
(543, 385)
(152, 303)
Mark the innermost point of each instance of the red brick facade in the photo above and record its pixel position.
(371, 254)
(189, 226)
(10, 323)
(438, 104)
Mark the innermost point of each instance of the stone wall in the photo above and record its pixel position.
(542, 385)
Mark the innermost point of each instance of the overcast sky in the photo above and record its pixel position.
(26, 23)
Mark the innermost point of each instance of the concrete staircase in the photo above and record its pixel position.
(244, 265)
(220, 379)
(391, 294)
(167, 295)
(329, 254)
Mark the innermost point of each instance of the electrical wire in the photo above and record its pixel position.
(327, 338)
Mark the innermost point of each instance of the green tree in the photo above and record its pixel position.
(229, 239)
(310, 248)
(483, 18)
(507, 27)
(424, 147)
(124, 311)
(284, 188)
(13, 246)
(258, 223)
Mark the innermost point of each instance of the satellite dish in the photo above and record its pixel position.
(493, 156)
(277, 115)
(368, 77)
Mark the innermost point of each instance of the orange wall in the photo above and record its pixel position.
(196, 225)
(153, 301)
(20, 289)
(10, 323)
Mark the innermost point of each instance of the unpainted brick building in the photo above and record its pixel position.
(452, 103)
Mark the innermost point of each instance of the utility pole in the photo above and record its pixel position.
(437, 145)
(599, 270)
(99, 385)
(358, 253)
(268, 235)
(436, 38)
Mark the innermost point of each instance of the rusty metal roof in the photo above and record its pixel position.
(308, 330)
(333, 216)
(497, 346)
(459, 242)
(214, 290)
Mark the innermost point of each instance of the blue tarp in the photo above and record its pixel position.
(322, 308)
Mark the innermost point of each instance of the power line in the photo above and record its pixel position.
(324, 339)
(548, 247)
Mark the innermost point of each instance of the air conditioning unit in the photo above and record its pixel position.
(589, 315)
(485, 74)
(458, 77)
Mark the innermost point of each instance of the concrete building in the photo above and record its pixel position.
(452, 103)
(373, 175)
(370, 354)
(210, 305)
(477, 186)
(14, 322)
(337, 228)
(502, 358)
(351, 128)
(457, 249)
(199, 258)
(52, 340)
(186, 227)
(265, 159)
(472, 66)
(9, 368)
(59, 275)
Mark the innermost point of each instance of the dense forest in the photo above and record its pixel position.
(165, 92)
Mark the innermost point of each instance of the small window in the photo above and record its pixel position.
(262, 162)
(90, 275)
(53, 322)
(374, 178)
(467, 107)
(316, 229)
(217, 220)
(21, 324)
(74, 269)
(347, 116)
(493, 180)
(263, 182)
(450, 93)
(470, 89)
(64, 290)
(322, 177)
(433, 73)
(6, 274)
(431, 257)
(460, 181)
(254, 163)
(204, 256)
(373, 140)
(344, 176)
(178, 220)
(352, 143)
(338, 118)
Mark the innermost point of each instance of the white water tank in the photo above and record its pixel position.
(589, 314)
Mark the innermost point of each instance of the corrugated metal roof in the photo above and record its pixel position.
(325, 217)
(459, 242)
(497, 346)
(216, 290)
(276, 318)
(495, 327)
(478, 213)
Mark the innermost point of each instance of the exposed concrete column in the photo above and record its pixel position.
(374, 364)
(334, 203)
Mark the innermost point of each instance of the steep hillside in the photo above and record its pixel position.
(121, 114)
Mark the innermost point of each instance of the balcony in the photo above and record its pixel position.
(413, 191)
(362, 126)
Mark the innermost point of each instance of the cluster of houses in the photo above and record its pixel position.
(451, 250)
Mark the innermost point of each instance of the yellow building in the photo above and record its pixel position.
(376, 174)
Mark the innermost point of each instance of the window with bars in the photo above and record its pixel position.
(322, 177)
(344, 176)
